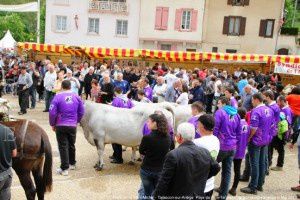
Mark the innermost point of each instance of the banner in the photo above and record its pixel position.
(28, 7)
(285, 68)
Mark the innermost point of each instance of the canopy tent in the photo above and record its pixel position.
(99, 52)
(7, 42)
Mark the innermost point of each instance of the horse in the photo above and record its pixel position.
(34, 156)
(103, 124)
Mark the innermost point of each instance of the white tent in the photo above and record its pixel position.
(7, 42)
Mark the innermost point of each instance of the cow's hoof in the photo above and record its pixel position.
(99, 168)
(131, 162)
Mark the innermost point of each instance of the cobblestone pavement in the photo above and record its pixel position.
(122, 181)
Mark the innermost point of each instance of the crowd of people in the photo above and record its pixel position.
(235, 117)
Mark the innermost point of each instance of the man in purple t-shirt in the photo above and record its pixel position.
(65, 112)
(120, 101)
(260, 130)
(227, 130)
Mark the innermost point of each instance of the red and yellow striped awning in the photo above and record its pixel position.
(54, 48)
(180, 56)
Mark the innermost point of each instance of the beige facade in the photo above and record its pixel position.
(249, 41)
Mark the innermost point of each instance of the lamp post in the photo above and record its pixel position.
(38, 22)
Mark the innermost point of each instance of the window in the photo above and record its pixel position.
(61, 23)
(231, 50)
(122, 26)
(119, 1)
(161, 18)
(215, 49)
(234, 25)
(266, 28)
(186, 20)
(93, 25)
(191, 50)
(166, 47)
(238, 2)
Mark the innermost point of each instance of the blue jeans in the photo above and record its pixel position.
(226, 157)
(149, 181)
(258, 165)
(32, 95)
(141, 192)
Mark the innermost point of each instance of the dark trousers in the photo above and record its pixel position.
(5, 188)
(48, 98)
(226, 157)
(117, 152)
(258, 165)
(237, 172)
(32, 94)
(279, 146)
(247, 170)
(23, 99)
(81, 88)
(209, 102)
(66, 138)
(149, 181)
(208, 195)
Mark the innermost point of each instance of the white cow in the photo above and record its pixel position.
(182, 113)
(104, 124)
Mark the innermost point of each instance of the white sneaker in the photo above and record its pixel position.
(72, 167)
(62, 172)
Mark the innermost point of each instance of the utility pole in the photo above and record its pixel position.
(294, 14)
(38, 22)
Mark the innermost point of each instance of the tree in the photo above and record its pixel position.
(289, 14)
(14, 23)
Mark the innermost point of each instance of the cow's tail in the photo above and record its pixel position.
(47, 171)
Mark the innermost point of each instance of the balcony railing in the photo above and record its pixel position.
(108, 6)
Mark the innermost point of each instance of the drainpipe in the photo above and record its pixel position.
(280, 18)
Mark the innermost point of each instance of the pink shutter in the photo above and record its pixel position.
(194, 20)
(178, 17)
(158, 18)
(165, 18)
(173, 47)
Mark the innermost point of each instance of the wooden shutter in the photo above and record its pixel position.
(242, 25)
(262, 28)
(194, 20)
(246, 2)
(165, 18)
(229, 2)
(226, 25)
(178, 17)
(158, 18)
(69, 24)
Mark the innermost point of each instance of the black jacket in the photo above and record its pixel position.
(154, 147)
(185, 172)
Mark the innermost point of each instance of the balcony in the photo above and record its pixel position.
(108, 7)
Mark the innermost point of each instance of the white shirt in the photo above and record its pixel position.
(212, 144)
(49, 80)
(83, 72)
(160, 91)
(170, 79)
(183, 99)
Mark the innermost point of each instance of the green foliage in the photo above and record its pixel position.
(289, 10)
(289, 30)
(28, 22)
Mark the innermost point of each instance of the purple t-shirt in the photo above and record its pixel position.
(288, 114)
(147, 131)
(242, 140)
(66, 109)
(233, 102)
(276, 118)
(122, 102)
(227, 129)
(194, 120)
(262, 119)
(148, 93)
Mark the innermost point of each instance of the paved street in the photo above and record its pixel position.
(122, 181)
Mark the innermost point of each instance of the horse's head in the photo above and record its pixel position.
(4, 110)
